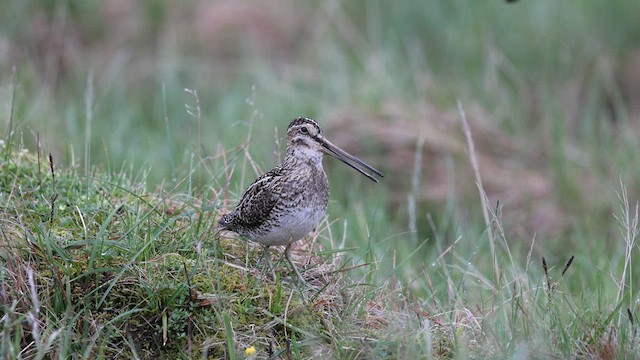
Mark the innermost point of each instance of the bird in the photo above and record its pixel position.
(288, 202)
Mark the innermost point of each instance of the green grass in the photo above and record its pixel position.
(157, 120)
(101, 268)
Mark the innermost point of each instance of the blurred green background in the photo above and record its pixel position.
(551, 90)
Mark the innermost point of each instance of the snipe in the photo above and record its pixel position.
(288, 202)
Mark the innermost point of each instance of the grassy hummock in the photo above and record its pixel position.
(98, 267)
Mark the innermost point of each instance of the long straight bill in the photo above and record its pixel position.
(362, 167)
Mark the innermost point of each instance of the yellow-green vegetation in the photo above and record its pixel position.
(90, 266)
(506, 225)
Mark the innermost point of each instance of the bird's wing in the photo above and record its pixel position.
(258, 200)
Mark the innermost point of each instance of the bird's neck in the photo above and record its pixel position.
(302, 156)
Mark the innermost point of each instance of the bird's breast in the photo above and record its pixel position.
(302, 203)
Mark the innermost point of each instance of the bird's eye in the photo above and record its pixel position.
(304, 130)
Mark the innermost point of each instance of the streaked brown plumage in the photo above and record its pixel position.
(288, 202)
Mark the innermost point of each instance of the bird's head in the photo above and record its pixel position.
(305, 135)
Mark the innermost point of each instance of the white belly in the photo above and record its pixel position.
(292, 227)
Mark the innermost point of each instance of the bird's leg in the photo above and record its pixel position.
(295, 269)
(267, 259)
